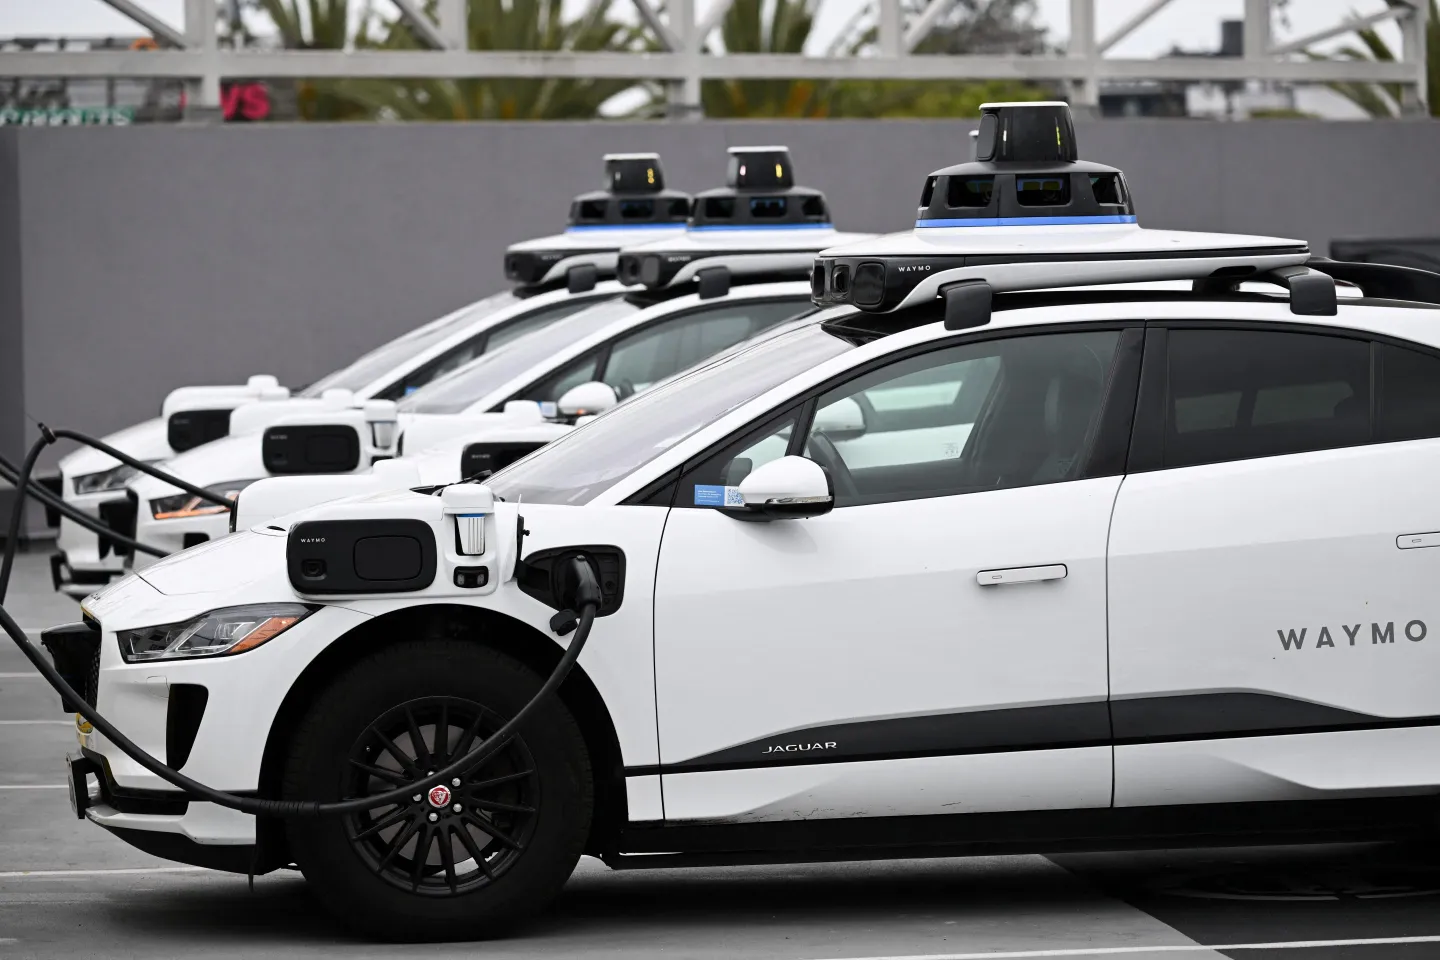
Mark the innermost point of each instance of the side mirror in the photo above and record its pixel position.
(789, 488)
(842, 420)
(587, 398)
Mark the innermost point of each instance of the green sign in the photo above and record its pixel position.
(69, 117)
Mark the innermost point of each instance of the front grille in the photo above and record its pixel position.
(120, 516)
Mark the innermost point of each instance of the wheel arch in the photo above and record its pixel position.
(499, 631)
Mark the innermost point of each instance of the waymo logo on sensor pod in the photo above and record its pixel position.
(1346, 635)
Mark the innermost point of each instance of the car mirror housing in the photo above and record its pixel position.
(587, 399)
(842, 420)
(790, 488)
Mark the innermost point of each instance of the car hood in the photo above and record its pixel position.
(147, 440)
(219, 461)
(440, 462)
(241, 566)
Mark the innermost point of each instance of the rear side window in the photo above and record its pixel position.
(1407, 394)
(1241, 394)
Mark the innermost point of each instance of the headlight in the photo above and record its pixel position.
(112, 479)
(217, 633)
(181, 505)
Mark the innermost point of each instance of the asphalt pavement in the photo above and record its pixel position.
(69, 889)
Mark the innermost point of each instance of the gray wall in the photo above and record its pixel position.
(152, 257)
(12, 367)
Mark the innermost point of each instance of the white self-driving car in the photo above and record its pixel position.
(700, 293)
(970, 564)
(553, 276)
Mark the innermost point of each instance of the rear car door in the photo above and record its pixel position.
(1272, 592)
(936, 643)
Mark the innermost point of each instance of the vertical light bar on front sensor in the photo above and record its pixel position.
(470, 533)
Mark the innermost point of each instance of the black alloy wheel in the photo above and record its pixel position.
(459, 835)
(423, 870)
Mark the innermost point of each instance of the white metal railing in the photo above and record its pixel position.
(195, 55)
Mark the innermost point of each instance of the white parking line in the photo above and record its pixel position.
(118, 871)
(1174, 948)
(29, 675)
(34, 723)
(32, 786)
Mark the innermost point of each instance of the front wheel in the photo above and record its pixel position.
(465, 859)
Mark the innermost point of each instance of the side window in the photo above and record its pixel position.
(702, 485)
(984, 416)
(1407, 394)
(553, 387)
(462, 353)
(1240, 394)
(650, 355)
(531, 322)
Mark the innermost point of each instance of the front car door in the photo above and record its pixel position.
(937, 643)
(1274, 623)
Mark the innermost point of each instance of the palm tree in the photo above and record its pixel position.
(1383, 100)
(503, 25)
(746, 29)
(973, 26)
(318, 25)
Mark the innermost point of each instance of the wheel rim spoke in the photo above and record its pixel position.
(386, 821)
(422, 854)
(400, 839)
(492, 831)
(500, 807)
(497, 781)
(447, 857)
(488, 826)
(380, 773)
(417, 741)
(474, 850)
(462, 746)
(394, 750)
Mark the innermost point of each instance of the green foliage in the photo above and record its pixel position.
(532, 25)
(1383, 100)
(784, 26)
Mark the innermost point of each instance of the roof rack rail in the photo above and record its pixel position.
(1383, 280)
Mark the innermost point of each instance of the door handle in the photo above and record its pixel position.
(1413, 541)
(999, 578)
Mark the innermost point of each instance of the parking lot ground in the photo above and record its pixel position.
(69, 889)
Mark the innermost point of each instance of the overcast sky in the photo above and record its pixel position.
(1194, 24)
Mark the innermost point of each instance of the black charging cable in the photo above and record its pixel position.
(25, 484)
(11, 474)
(576, 584)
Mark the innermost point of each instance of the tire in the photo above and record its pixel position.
(466, 689)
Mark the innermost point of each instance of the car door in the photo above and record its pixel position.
(936, 643)
(1272, 598)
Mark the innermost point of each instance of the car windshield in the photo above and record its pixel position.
(386, 357)
(456, 392)
(582, 464)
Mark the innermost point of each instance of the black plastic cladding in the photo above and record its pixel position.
(361, 556)
(188, 429)
(311, 448)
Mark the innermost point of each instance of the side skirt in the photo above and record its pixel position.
(961, 835)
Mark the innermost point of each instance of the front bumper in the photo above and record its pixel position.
(164, 823)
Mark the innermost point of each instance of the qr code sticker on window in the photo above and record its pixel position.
(733, 497)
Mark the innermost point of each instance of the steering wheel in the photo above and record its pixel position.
(823, 451)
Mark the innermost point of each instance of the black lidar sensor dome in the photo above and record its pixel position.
(634, 195)
(759, 192)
